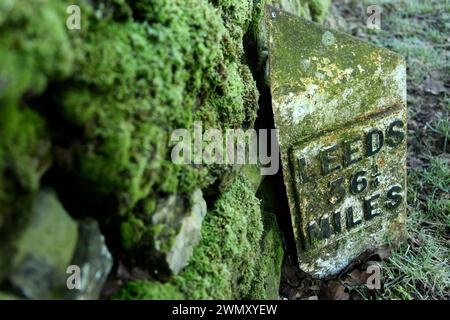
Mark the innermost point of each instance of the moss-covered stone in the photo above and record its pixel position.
(167, 249)
(266, 283)
(33, 38)
(24, 157)
(239, 255)
(338, 94)
(135, 82)
(106, 99)
(44, 249)
(34, 47)
(136, 79)
(134, 72)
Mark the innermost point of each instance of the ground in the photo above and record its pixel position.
(420, 268)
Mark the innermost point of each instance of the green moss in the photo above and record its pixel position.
(319, 9)
(111, 94)
(131, 232)
(24, 157)
(27, 63)
(231, 236)
(267, 281)
(33, 39)
(145, 290)
(236, 16)
(239, 255)
(137, 79)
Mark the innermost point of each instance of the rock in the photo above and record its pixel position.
(94, 260)
(235, 258)
(25, 155)
(340, 107)
(176, 247)
(44, 249)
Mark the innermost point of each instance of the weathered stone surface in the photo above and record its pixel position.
(94, 260)
(44, 249)
(176, 247)
(340, 105)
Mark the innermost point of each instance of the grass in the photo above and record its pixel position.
(420, 268)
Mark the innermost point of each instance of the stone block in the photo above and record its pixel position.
(340, 106)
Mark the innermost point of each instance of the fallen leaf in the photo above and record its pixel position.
(356, 278)
(334, 291)
(139, 274)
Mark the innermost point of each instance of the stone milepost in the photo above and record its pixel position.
(340, 107)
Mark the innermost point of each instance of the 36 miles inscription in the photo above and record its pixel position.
(344, 180)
